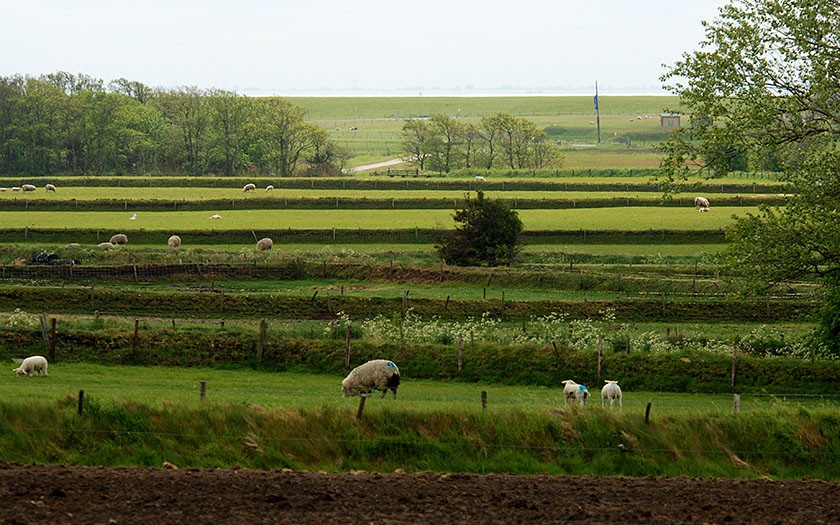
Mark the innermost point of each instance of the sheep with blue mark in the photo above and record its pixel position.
(572, 390)
(378, 374)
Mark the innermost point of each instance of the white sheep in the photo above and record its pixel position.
(174, 241)
(133, 217)
(249, 187)
(269, 187)
(105, 245)
(379, 374)
(215, 216)
(119, 238)
(265, 244)
(49, 187)
(479, 178)
(701, 202)
(28, 187)
(28, 366)
(4, 189)
(576, 391)
(15, 188)
(611, 391)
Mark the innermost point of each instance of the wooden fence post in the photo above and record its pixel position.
(647, 413)
(460, 353)
(734, 362)
(134, 339)
(261, 341)
(202, 390)
(52, 339)
(736, 403)
(361, 409)
(81, 401)
(484, 400)
(600, 356)
(347, 347)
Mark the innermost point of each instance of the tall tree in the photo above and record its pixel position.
(230, 113)
(417, 136)
(764, 84)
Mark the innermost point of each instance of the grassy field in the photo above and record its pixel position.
(618, 219)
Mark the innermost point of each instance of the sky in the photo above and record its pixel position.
(296, 47)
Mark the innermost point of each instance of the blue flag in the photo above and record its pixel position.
(596, 102)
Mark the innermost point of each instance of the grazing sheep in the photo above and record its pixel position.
(133, 217)
(174, 241)
(479, 178)
(265, 244)
(49, 187)
(269, 187)
(4, 189)
(28, 188)
(379, 374)
(215, 216)
(72, 246)
(249, 187)
(15, 188)
(105, 245)
(611, 391)
(35, 363)
(701, 202)
(576, 391)
(119, 238)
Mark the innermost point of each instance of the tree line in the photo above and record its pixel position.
(442, 143)
(61, 123)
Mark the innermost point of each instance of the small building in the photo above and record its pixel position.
(669, 120)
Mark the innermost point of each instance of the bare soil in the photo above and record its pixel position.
(60, 494)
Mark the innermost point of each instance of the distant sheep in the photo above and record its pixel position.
(265, 244)
(28, 188)
(215, 216)
(479, 178)
(379, 374)
(269, 187)
(701, 202)
(611, 391)
(49, 187)
(174, 241)
(30, 365)
(573, 390)
(15, 188)
(249, 187)
(105, 245)
(133, 217)
(119, 238)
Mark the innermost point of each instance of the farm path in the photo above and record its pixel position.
(61, 494)
(376, 166)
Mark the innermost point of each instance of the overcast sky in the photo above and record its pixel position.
(294, 46)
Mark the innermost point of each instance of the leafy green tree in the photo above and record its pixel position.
(487, 233)
(764, 85)
(417, 137)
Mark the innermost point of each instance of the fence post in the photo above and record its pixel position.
(134, 339)
(361, 407)
(261, 341)
(647, 413)
(736, 403)
(484, 400)
(460, 353)
(81, 401)
(600, 355)
(347, 348)
(734, 362)
(202, 391)
(52, 339)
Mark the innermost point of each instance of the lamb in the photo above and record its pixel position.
(49, 187)
(119, 238)
(35, 363)
(249, 187)
(174, 241)
(269, 187)
(701, 202)
(574, 390)
(611, 391)
(105, 245)
(379, 374)
(28, 187)
(265, 244)
(479, 178)
(15, 188)
(215, 216)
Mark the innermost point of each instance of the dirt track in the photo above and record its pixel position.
(55, 494)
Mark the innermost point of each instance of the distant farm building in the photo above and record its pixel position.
(669, 120)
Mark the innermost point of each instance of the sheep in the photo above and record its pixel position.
(479, 178)
(174, 241)
(4, 189)
(35, 363)
(133, 217)
(265, 244)
(701, 202)
(249, 187)
(269, 187)
(119, 238)
(215, 216)
(15, 188)
(611, 391)
(574, 390)
(379, 374)
(105, 245)
(50, 187)
(28, 188)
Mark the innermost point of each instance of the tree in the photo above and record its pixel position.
(416, 137)
(764, 85)
(487, 234)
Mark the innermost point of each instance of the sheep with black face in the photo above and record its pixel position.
(379, 374)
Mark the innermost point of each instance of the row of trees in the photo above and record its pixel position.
(442, 143)
(62, 123)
